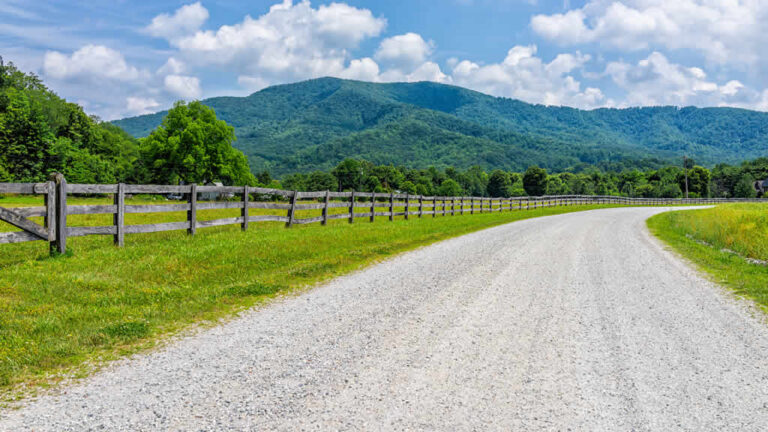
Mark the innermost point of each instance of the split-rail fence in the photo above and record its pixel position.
(368, 205)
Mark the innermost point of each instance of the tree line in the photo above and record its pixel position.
(668, 182)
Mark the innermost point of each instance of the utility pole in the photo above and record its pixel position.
(685, 168)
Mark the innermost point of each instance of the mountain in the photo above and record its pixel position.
(314, 124)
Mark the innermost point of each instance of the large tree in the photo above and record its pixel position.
(499, 184)
(193, 146)
(535, 181)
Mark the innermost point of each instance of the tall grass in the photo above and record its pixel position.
(707, 236)
(58, 315)
(742, 228)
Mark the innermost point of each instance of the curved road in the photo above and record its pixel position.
(573, 322)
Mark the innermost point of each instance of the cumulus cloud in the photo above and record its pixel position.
(186, 20)
(172, 66)
(291, 41)
(138, 106)
(404, 51)
(113, 88)
(364, 69)
(89, 61)
(657, 81)
(523, 75)
(185, 87)
(723, 31)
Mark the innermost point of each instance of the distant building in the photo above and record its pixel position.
(761, 186)
(213, 196)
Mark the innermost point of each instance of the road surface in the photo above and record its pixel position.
(573, 322)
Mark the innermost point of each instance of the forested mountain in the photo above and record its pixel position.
(314, 124)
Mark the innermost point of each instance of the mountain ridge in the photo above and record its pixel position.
(313, 124)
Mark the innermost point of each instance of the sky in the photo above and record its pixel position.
(122, 58)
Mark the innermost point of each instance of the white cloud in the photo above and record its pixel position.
(724, 31)
(364, 69)
(89, 61)
(427, 71)
(172, 66)
(111, 86)
(657, 81)
(138, 106)
(523, 75)
(290, 42)
(185, 21)
(185, 87)
(404, 51)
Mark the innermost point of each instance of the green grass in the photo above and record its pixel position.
(702, 235)
(62, 317)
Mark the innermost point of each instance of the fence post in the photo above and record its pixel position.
(461, 204)
(192, 212)
(442, 203)
(407, 205)
(50, 214)
(453, 206)
(292, 209)
(434, 206)
(421, 205)
(351, 206)
(244, 212)
(373, 206)
(325, 208)
(119, 216)
(391, 206)
(59, 245)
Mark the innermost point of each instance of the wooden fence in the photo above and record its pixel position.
(365, 205)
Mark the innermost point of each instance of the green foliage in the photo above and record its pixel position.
(193, 146)
(665, 182)
(450, 188)
(535, 181)
(499, 183)
(315, 124)
(41, 133)
(744, 188)
(349, 174)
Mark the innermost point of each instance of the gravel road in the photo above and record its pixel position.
(573, 322)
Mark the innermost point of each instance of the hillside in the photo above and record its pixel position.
(314, 124)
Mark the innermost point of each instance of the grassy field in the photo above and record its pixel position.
(718, 240)
(62, 317)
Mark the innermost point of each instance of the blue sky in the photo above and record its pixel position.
(121, 58)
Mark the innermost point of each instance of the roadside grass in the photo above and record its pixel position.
(719, 241)
(63, 317)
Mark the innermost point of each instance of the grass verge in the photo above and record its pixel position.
(720, 241)
(62, 317)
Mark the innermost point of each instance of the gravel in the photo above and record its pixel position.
(572, 322)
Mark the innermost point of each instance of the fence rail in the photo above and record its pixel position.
(359, 205)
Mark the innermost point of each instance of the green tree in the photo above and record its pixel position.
(499, 184)
(349, 174)
(264, 178)
(25, 137)
(320, 181)
(408, 187)
(744, 188)
(535, 181)
(698, 181)
(193, 146)
(450, 188)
